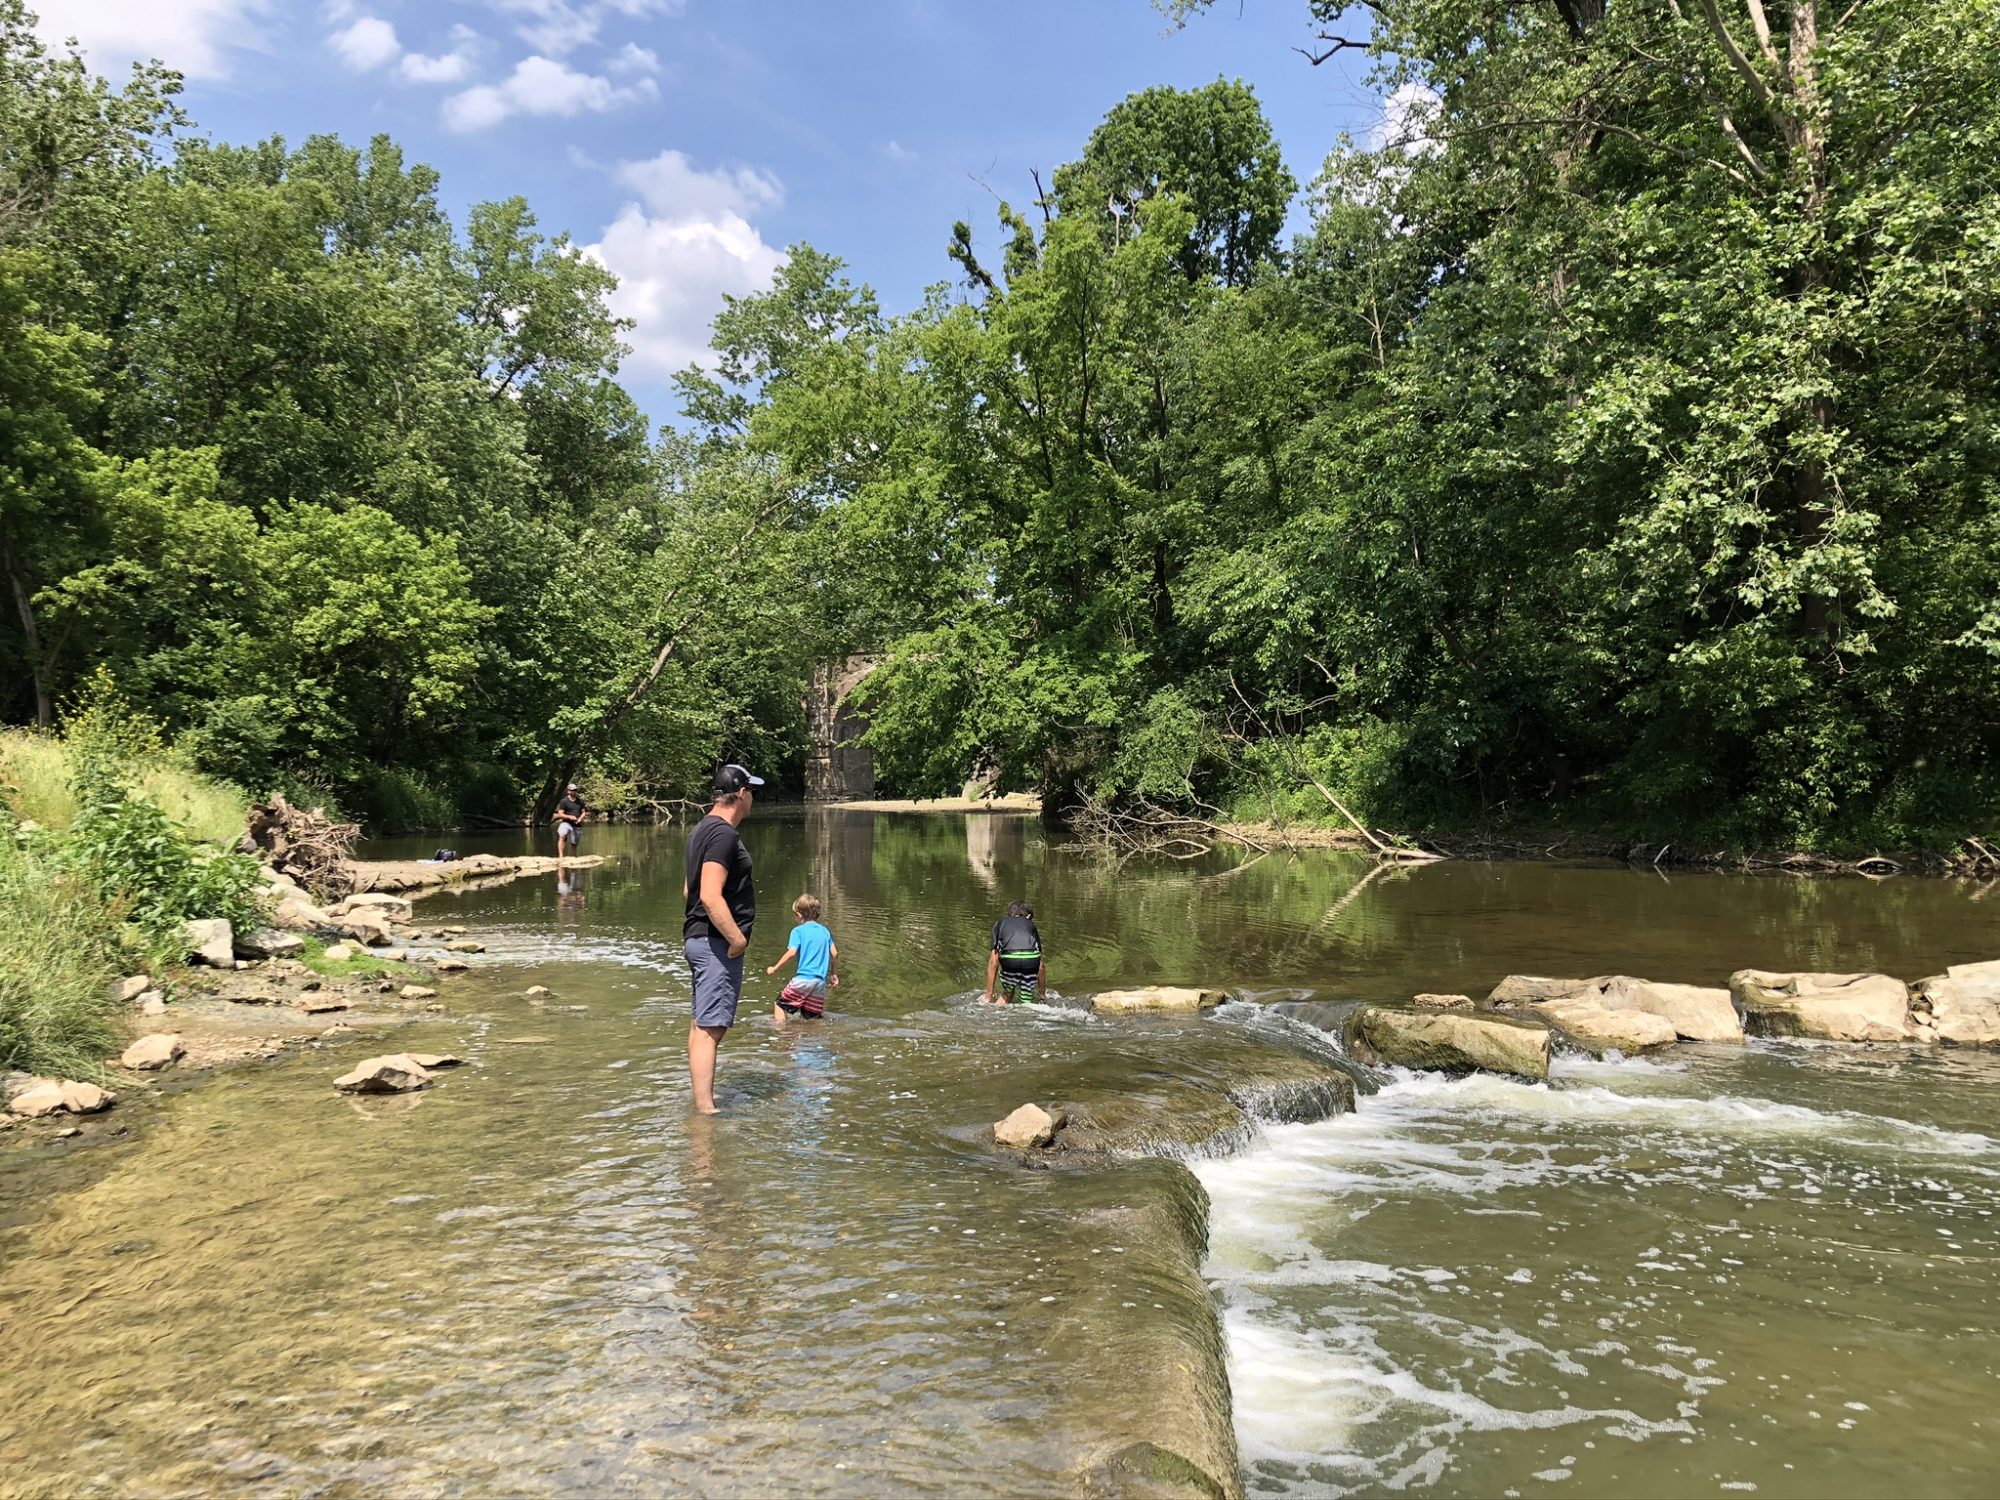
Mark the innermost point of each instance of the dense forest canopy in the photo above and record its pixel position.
(1614, 447)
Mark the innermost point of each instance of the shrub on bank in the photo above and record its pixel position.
(127, 844)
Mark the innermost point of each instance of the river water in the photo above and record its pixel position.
(1768, 1269)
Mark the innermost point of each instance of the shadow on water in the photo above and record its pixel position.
(544, 1276)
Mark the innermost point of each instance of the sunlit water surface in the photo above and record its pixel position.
(1769, 1267)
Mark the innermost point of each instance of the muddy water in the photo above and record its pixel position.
(543, 1277)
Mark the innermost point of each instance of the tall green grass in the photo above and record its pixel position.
(60, 955)
(36, 779)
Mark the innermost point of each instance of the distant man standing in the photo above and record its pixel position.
(721, 906)
(570, 813)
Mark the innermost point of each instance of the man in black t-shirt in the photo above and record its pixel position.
(721, 906)
(570, 813)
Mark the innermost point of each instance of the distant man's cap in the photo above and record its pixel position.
(733, 778)
(571, 787)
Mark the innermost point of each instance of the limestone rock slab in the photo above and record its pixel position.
(1449, 1042)
(1961, 1006)
(1832, 1007)
(1161, 997)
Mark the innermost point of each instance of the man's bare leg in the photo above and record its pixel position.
(702, 1044)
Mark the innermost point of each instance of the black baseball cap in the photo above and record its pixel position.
(733, 778)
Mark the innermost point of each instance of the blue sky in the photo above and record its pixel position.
(691, 141)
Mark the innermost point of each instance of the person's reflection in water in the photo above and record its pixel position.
(722, 1290)
(569, 899)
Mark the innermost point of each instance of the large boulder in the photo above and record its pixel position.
(1029, 1126)
(1960, 1006)
(368, 928)
(1697, 1014)
(1593, 1025)
(48, 1096)
(1832, 1007)
(1165, 997)
(395, 1073)
(298, 913)
(1449, 1042)
(390, 908)
(151, 1053)
(210, 941)
(269, 942)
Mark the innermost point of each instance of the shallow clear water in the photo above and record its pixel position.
(543, 1276)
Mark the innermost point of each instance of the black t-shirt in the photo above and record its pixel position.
(1018, 942)
(572, 806)
(714, 842)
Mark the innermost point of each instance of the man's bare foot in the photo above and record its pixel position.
(706, 1109)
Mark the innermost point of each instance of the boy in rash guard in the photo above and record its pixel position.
(813, 946)
(1016, 959)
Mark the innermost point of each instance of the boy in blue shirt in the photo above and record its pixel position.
(812, 945)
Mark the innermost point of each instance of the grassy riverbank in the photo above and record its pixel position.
(107, 846)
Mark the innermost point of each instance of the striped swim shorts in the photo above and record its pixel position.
(804, 997)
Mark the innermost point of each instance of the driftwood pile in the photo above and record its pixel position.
(306, 844)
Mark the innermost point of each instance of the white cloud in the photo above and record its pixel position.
(678, 251)
(556, 28)
(1406, 114)
(675, 188)
(367, 44)
(632, 58)
(195, 36)
(445, 67)
(541, 86)
(897, 151)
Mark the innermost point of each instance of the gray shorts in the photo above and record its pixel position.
(566, 834)
(718, 981)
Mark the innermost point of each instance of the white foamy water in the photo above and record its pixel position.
(1642, 1278)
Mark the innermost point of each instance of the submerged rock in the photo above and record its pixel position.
(417, 992)
(1449, 1042)
(464, 945)
(431, 1062)
(1960, 1006)
(210, 941)
(1833, 1007)
(451, 966)
(538, 992)
(152, 1052)
(1030, 1126)
(1165, 997)
(394, 1073)
(1146, 1471)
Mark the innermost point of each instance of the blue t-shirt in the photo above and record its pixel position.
(815, 945)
